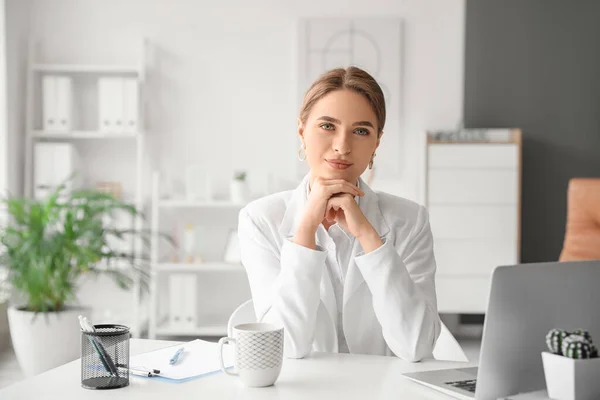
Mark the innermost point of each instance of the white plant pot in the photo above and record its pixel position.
(46, 340)
(239, 191)
(569, 379)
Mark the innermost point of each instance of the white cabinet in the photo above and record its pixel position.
(473, 198)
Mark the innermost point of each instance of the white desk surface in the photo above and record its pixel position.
(319, 376)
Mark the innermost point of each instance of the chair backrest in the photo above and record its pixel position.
(446, 348)
(242, 315)
(582, 235)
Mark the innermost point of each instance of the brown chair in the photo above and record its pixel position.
(582, 236)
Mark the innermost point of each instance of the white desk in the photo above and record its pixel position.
(320, 376)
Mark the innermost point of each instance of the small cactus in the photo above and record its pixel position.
(583, 333)
(554, 340)
(577, 346)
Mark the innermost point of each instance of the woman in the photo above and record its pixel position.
(342, 268)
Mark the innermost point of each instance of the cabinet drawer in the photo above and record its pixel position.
(462, 295)
(473, 257)
(473, 156)
(474, 222)
(493, 186)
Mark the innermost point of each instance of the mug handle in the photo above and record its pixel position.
(223, 341)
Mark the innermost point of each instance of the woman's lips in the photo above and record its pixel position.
(338, 164)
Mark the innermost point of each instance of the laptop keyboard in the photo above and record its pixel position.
(468, 385)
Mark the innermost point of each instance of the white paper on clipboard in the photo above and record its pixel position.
(199, 358)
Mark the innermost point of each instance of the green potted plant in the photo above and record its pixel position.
(46, 247)
(572, 365)
(238, 187)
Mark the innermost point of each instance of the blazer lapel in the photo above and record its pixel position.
(369, 205)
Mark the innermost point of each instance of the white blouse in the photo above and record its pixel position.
(338, 244)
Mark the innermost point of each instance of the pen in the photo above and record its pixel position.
(139, 372)
(176, 356)
(107, 362)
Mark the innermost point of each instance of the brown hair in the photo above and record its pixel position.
(351, 78)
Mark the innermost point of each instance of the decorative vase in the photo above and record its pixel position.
(43, 341)
(571, 379)
(239, 191)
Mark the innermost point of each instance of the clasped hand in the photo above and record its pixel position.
(332, 200)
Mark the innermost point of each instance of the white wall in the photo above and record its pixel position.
(223, 86)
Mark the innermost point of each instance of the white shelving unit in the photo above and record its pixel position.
(36, 70)
(88, 68)
(211, 321)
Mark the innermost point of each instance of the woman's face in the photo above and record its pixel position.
(340, 136)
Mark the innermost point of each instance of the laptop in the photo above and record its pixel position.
(525, 302)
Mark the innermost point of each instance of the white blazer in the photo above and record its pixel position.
(389, 300)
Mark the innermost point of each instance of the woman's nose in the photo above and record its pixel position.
(341, 144)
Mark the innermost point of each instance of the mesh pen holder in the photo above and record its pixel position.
(105, 357)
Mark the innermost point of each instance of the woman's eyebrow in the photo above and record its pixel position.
(363, 123)
(329, 119)
(337, 121)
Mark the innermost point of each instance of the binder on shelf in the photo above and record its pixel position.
(189, 300)
(176, 282)
(53, 163)
(130, 105)
(118, 105)
(64, 96)
(57, 103)
(108, 104)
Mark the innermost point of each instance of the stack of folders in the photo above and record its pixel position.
(182, 300)
(118, 105)
(53, 163)
(57, 103)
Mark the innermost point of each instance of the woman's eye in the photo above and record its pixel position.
(362, 132)
(328, 127)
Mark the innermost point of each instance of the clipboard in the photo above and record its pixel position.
(199, 358)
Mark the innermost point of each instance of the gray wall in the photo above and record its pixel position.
(535, 64)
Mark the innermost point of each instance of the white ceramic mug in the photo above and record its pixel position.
(258, 353)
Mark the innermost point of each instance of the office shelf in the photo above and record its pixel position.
(219, 286)
(38, 134)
